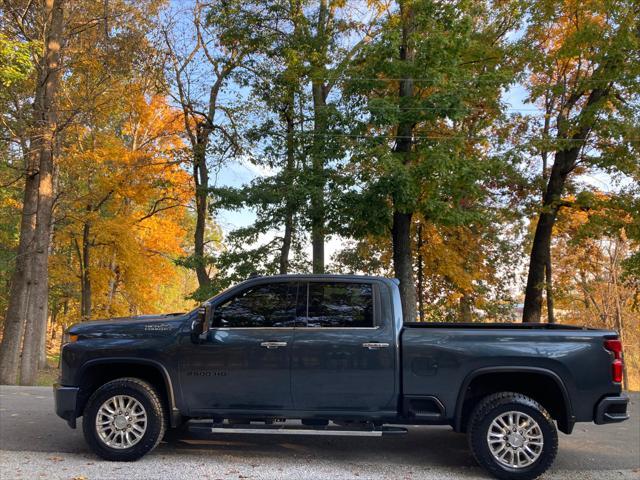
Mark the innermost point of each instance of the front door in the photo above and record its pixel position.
(245, 361)
(343, 357)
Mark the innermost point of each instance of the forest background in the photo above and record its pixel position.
(152, 153)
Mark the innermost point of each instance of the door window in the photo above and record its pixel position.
(266, 305)
(338, 304)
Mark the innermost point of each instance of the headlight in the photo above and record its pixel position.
(68, 338)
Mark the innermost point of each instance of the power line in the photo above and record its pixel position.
(458, 82)
(447, 138)
(448, 109)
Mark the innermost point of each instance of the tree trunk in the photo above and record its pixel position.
(54, 321)
(545, 157)
(564, 163)
(420, 275)
(401, 229)
(85, 281)
(403, 265)
(201, 179)
(42, 350)
(15, 319)
(466, 302)
(286, 244)
(551, 318)
(113, 282)
(42, 363)
(319, 92)
(537, 265)
(43, 144)
(289, 177)
(317, 171)
(540, 250)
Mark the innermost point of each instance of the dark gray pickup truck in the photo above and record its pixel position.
(329, 355)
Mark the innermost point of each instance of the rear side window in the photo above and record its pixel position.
(266, 305)
(338, 304)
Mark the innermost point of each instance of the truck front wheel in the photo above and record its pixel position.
(512, 436)
(124, 419)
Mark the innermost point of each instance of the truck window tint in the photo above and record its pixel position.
(268, 305)
(339, 304)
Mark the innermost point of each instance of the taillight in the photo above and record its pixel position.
(615, 347)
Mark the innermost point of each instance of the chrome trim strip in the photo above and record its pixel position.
(292, 431)
(338, 328)
(295, 328)
(252, 328)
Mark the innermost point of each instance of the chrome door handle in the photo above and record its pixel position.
(271, 345)
(375, 345)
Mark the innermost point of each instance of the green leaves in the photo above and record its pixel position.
(15, 61)
(441, 177)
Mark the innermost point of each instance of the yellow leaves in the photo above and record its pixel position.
(454, 254)
(10, 203)
(569, 37)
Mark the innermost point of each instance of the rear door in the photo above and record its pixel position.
(343, 357)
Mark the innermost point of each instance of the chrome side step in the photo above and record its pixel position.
(296, 430)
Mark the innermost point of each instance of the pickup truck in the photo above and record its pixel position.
(329, 355)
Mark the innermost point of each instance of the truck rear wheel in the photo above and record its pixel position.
(512, 436)
(124, 419)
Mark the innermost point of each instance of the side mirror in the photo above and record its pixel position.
(200, 325)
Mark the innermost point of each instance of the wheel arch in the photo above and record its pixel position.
(529, 382)
(98, 371)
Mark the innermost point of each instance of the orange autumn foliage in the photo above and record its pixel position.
(590, 287)
(123, 198)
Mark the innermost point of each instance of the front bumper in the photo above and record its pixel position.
(611, 410)
(66, 402)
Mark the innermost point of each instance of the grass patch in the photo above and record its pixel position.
(49, 375)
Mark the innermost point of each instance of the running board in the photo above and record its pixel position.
(296, 430)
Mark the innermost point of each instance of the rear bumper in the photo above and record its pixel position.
(611, 410)
(66, 400)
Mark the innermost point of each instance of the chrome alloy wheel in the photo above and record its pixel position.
(515, 439)
(121, 422)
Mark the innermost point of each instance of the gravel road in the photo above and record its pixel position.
(36, 444)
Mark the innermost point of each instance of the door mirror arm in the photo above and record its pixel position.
(201, 324)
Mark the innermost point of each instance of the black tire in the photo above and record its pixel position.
(489, 409)
(156, 419)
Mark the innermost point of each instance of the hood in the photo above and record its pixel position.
(138, 326)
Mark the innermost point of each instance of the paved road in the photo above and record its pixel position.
(35, 444)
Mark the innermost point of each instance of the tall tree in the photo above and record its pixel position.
(324, 35)
(401, 224)
(420, 82)
(27, 310)
(301, 51)
(588, 55)
(278, 199)
(15, 75)
(201, 64)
